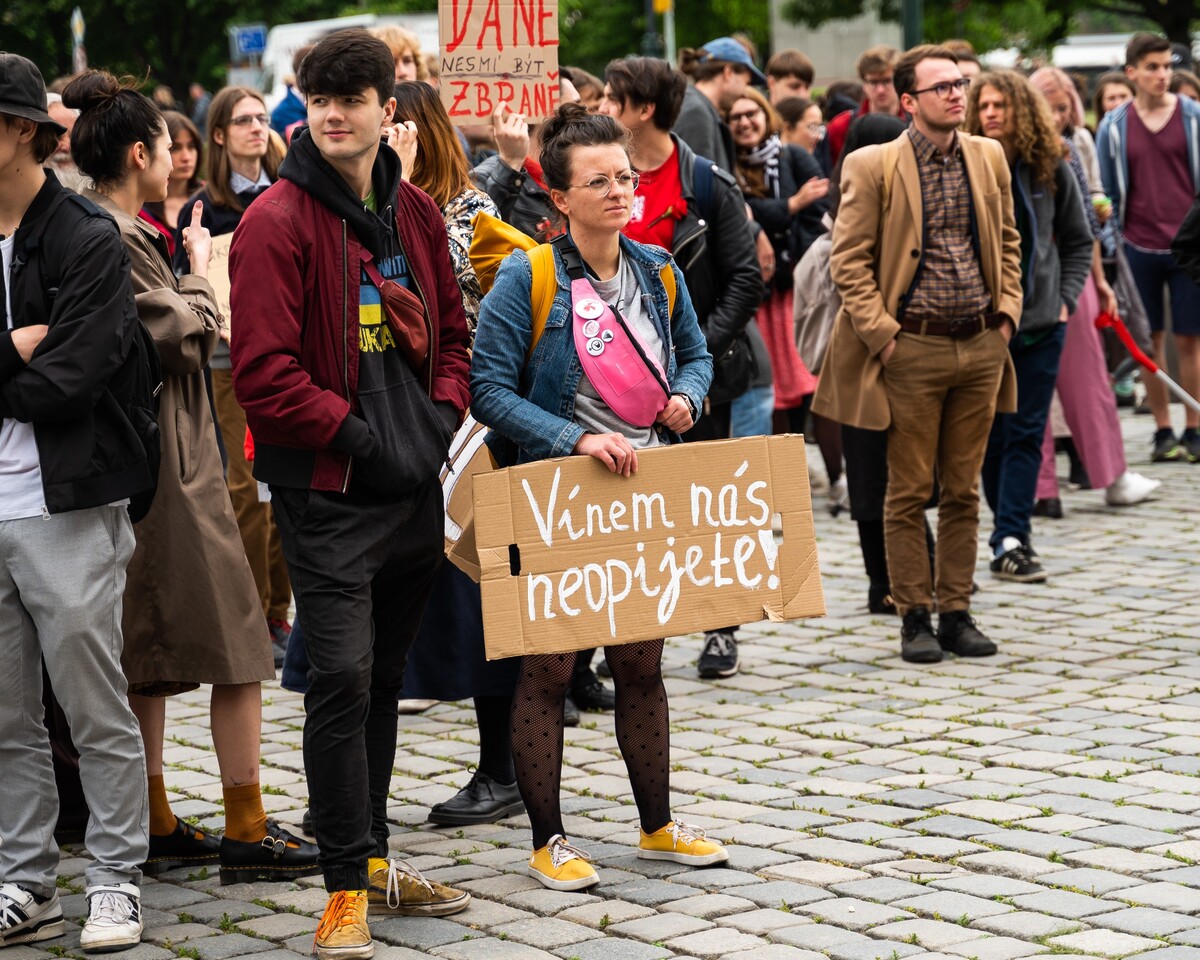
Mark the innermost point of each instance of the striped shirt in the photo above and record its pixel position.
(949, 283)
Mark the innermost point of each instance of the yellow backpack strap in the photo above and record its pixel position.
(667, 275)
(543, 286)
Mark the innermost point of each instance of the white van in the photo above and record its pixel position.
(284, 40)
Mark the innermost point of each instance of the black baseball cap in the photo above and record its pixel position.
(23, 92)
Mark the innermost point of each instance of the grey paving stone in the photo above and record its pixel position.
(716, 878)
(1025, 925)
(418, 933)
(648, 893)
(1104, 942)
(871, 950)
(930, 934)
(815, 936)
(1123, 835)
(1170, 953)
(1011, 864)
(839, 851)
(278, 926)
(777, 893)
(1187, 876)
(879, 889)
(546, 932)
(851, 913)
(775, 951)
(1063, 903)
(987, 886)
(710, 906)
(715, 943)
(995, 948)
(960, 828)
(762, 922)
(214, 910)
(168, 896)
(950, 905)
(660, 927)
(603, 913)
(1145, 921)
(1035, 844)
(228, 945)
(490, 948)
(1174, 897)
(548, 903)
(1095, 882)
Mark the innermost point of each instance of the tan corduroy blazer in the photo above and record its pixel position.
(876, 248)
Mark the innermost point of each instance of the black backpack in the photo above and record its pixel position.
(138, 381)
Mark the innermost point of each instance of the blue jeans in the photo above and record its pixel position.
(1014, 450)
(751, 413)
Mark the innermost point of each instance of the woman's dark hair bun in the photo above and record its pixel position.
(566, 115)
(92, 88)
(572, 126)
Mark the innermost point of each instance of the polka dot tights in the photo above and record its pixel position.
(642, 733)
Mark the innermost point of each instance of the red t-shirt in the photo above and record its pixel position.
(1160, 184)
(658, 205)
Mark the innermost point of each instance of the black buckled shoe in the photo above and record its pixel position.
(593, 696)
(185, 846)
(277, 856)
(917, 642)
(958, 634)
(483, 800)
(570, 712)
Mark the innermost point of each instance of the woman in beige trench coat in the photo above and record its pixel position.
(192, 613)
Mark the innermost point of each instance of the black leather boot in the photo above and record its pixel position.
(917, 642)
(958, 634)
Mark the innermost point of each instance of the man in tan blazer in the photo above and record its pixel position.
(926, 257)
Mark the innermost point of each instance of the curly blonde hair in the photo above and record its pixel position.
(1035, 138)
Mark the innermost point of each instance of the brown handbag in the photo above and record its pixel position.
(405, 313)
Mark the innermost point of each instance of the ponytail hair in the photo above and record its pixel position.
(700, 65)
(572, 126)
(113, 116)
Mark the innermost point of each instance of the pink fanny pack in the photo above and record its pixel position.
(616, 361)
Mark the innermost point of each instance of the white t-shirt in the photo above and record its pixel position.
(21, 493)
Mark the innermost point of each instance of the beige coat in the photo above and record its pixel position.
(192, 613)
(876, 248)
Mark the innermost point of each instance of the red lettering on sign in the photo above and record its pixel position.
(523, 13)
(554, 94)
(459, 32)
(483, 95)
(543, 16)
(462, 87)
(504, 91)
(491, 20)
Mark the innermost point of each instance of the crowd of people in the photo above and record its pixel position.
(906, 269)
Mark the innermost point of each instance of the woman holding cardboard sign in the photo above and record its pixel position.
(617, 300)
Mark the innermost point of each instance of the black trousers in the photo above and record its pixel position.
(362, 568)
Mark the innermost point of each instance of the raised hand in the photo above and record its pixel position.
(197, 241)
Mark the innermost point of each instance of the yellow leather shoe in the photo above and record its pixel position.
(399, 890)
(343, 933)
(560, 866)
(681, 843)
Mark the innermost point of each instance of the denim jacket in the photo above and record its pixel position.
(532, 404)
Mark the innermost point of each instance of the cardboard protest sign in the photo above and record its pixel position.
(498, 51)
(218, 272)
(702, 536)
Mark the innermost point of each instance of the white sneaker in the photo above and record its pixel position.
(114, 918)
(1130, 488)
(24, 920)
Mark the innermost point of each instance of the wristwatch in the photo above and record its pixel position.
(691, 406)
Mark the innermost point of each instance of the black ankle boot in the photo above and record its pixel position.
(958, 634)
(917, 642)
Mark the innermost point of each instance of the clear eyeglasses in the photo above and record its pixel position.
(602, 186)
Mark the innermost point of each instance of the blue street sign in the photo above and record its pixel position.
(250, 41)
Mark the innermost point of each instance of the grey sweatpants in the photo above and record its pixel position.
(61, 583)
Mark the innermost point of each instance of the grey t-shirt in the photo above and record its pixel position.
(624, 295)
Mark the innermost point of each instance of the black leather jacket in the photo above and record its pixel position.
(715, 250)
(790, 234)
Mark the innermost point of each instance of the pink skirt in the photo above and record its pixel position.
(793, 382)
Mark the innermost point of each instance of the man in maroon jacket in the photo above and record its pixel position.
(350, 359)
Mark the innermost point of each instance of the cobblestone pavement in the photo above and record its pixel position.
(1042, 801)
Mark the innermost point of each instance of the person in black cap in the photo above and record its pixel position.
(73, 460)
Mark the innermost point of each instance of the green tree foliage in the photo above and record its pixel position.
(1031, 24)
(176, 41)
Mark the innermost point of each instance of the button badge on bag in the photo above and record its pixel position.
(591, 328)
(595, 346)
(590, 309)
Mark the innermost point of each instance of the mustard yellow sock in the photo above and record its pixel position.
(375, 863)
(245, 818)
(162, 817)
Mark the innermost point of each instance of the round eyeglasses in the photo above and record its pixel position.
(602, 186)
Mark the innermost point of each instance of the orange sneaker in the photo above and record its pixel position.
(343, 933)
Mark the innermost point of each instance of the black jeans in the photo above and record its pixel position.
(362, 568)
